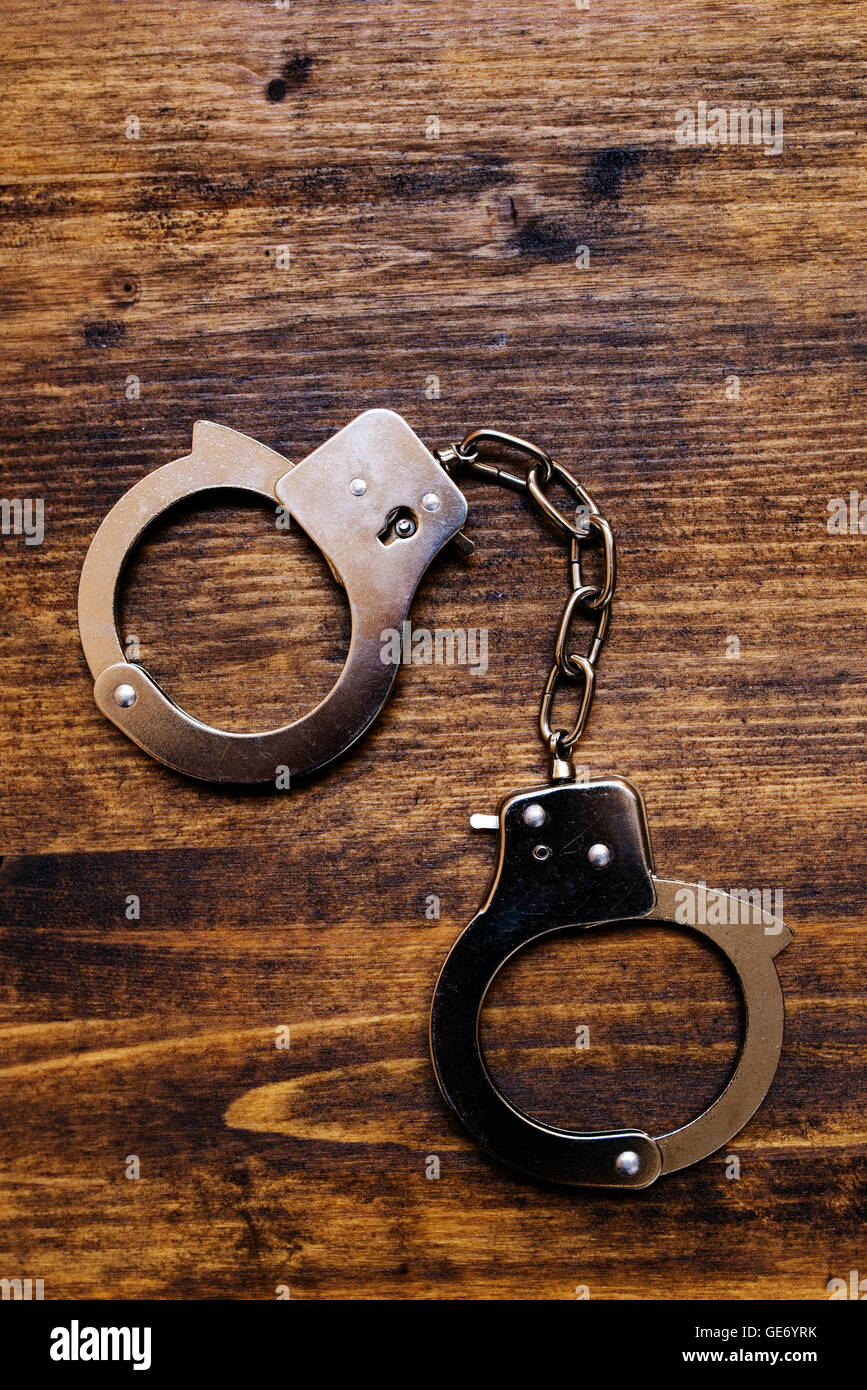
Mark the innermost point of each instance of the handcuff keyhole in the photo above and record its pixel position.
(400, 525)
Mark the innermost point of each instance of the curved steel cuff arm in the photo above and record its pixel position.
(531, 898)
(347, 524)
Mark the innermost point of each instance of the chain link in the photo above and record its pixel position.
(589, 527)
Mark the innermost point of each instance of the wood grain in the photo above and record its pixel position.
(410, 258)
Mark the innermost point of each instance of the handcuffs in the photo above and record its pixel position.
(571, 854)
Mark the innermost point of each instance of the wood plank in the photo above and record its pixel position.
(412, 258)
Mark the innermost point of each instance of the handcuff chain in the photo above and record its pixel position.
(589, 526)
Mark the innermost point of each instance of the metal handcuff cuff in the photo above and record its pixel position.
(380, 506)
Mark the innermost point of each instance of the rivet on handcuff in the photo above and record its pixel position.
(380, 506)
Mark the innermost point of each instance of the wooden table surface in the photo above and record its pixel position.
(411, 259)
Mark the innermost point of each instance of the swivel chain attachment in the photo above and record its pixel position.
(588, 600)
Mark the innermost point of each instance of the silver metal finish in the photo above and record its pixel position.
(751, 946)
(356, 498)
(124, 696)
(628, 1162)
(380, 580)
(599, 856)
(530, 897)
(593, 603)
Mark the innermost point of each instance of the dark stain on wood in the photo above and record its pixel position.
(537, 239)
(471, 175)
(608, 170)
(104, 333)
(296, 69)
(294, 73)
